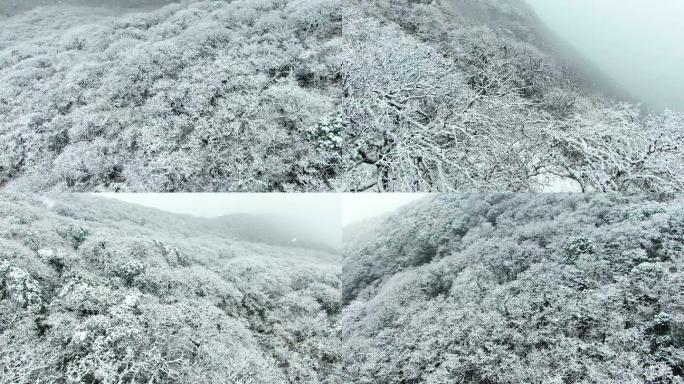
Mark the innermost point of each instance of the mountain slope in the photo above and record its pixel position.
(518, 289)
(94, 290)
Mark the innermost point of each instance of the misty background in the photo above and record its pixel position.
(317, 216)
(637, 43)
(10, 7)
(363, 206)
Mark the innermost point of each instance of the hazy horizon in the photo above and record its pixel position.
(316, 213)
(323, 215)
(637, 43)
(363, 206)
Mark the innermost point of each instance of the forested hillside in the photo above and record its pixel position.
(521, 288)
(473, 94)
(314, 95)
(193, 96)
(98, 291)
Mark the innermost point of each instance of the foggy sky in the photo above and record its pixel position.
(639, 43)
(357, 207)
(321, 214)
(318, 214)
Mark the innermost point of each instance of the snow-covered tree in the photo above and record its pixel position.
(455, 95)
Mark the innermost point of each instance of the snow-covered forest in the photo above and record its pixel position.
(517, 288)
(99, 291)
(313, 95)
(471, 288)
(481, 285)
(193, 96)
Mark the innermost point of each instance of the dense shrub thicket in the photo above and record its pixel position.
(93, 291)
(193, 96)
(521, 288)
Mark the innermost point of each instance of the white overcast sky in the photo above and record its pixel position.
(314, 205)
(357, 207)
(324, 213)
(639, 43)
(319, 213)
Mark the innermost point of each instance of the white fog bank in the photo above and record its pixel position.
(636, 42)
